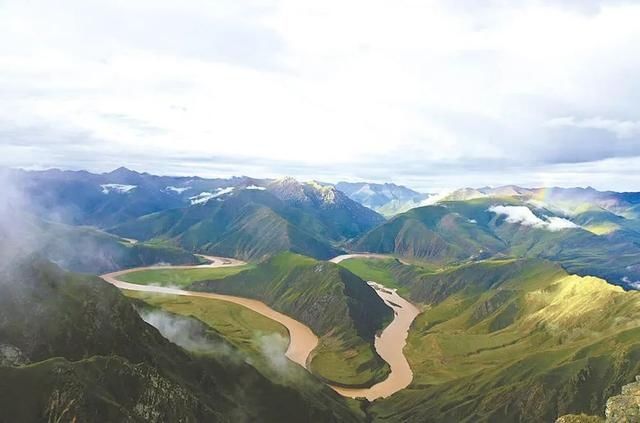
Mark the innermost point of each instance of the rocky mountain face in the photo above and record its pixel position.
(623, 408)
(626, 406)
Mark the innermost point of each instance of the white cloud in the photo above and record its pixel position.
(621, 128)
(559, 223)
(518, 214)
(524, 216)
(359, 89)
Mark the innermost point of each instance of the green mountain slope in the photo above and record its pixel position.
(512, 341)
(84, 354)
(460, 231)
(337, 305)
(255, 224)
(82, 249)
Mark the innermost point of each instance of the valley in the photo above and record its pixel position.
(484, 305)
(319, 212)
(302, 340)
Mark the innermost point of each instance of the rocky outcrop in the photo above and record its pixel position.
(623, 408)
(582, 418)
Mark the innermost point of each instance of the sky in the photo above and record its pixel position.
(431, 94)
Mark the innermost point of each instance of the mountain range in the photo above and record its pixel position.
(527, 299)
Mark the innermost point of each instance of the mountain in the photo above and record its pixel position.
(387, 199)
(74, 349)
(460, 231)
(79, 248)
(103, 200)
(569, 201)
(87, 250)
(511, 341)
(253, 224)
(342, 309)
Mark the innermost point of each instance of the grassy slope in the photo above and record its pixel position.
(372, 270)
(180, 277)
(514, 340)
(84, 249)
(240, 326)
(338, 306)
(89, 353)
(249, 225)
(460, 231)
(432, 233)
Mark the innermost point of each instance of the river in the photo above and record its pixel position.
(302, 340)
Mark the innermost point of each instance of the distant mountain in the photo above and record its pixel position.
(387, 199)
(103, 200)
(80, 248)
(252, 223)
(74, 349)
(340, 307)
(566, 200)
(459, 231)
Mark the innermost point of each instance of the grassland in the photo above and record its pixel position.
(84, 354)
(341, 309)
(239, 325)
(392, 273)
(376, 270)
(181, 277)
(515, 340)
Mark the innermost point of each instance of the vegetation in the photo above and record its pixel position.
(88, 250)
(84, 354)
(180, 277)
(254, 225)
(463, 231)
(238, 325)
(376, 270)
(514, 340)
(337, 305)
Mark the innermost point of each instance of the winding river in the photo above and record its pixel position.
(302, 340)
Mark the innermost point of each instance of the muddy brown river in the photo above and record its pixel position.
(302, 340)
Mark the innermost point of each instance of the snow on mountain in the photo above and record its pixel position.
(204, 197)
(177, 190)
(117, 188)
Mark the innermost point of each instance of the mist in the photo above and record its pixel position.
(185, 332)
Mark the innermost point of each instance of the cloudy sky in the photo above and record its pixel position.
(433, 94)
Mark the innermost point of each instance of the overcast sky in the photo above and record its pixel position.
(433, 94)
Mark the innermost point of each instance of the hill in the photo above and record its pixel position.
(80, 249)
(254, 224)
(460, 231)
(84, 354)
(338, 306)
(512, 341)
